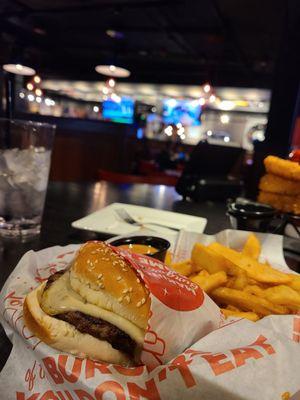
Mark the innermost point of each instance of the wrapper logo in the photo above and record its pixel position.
(63, 371)
(155, 347)
(172, 289)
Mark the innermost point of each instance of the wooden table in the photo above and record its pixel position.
(67, 202)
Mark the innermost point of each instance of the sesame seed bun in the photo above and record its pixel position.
(105, 279)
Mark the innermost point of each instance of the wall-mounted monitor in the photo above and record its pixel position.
(187, 112)
(119, 111)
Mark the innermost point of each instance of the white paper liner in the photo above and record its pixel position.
(241, 360)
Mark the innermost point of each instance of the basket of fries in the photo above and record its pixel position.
(241, 281)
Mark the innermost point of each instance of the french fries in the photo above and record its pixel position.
(240, 281)
(168, 259)
(254, 269)
(252, 247)
(246, 301)
(210, 282)
(252, 316)
(183, 267)
(282, 294)
(295, 283)
(203, 258)
(241, 285)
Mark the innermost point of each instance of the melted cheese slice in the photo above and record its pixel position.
(60, 298)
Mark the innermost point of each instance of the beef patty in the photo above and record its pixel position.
(96, 327)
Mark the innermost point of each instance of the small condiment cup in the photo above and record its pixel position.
(158, 243)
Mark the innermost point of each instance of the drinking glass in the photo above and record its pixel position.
(25, 156)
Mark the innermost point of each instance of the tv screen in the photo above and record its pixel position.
(121, 111)
(187, 112)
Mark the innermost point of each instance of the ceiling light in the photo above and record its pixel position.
(260, 104)
(111, 82)
(201, 101)
(226, 139)
(168, 130)
(18, 69)
(224, 118)
(212, 98)
(38, 92)
(112, 70)
(209, 133)
(30, 97)
(182, 137)
(96, 108)
(37, 79)
(48, 102)
(226, 105)
(206, 88)
(38, 99)
(180, 131)
(105, 90)
(114, 34)
(179, 125)
(29, 86)
(21, 95)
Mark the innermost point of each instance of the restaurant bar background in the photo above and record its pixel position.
(229, 78)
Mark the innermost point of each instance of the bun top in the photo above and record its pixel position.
(107, 280)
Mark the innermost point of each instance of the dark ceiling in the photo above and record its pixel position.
(228, 42)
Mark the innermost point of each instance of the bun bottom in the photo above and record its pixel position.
(65, 337)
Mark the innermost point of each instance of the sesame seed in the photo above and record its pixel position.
(138, 281)
(138, 304)
(120, 299)
(100, 276)
(125, 291)
(143, 301)
(130, 290)
(119, 278)
(127, 298)
(101, 286)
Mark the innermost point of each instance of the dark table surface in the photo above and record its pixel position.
(67, 202)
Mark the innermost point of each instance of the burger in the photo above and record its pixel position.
(97, 308)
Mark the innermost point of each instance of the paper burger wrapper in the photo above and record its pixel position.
(180, 312)
(239, 360)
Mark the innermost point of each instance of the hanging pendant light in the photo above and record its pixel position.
(112, 71)
(18, 69)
